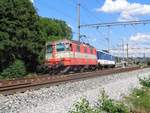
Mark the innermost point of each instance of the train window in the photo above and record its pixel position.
(101, 55)
(78, 48)
(60, 47)
(49, 48)
(85, 50)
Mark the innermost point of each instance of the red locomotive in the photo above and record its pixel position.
(65, 55)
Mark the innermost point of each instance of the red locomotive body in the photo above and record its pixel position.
(69, 53)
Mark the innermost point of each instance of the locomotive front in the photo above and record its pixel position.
(57, 53)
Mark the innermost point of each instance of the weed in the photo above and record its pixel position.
(104, 104)
(82, 106)
(145, 82)
(140, 100)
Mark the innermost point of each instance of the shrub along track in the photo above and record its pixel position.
(24, 84)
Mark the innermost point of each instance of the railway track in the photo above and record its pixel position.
(24, 84)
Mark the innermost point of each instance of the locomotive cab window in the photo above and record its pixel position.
(49, 48)
(60, 47)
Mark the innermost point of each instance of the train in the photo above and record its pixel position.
(69, 55)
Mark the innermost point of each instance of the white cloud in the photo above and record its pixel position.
(113, 6)
(139, 37)
(128, 11)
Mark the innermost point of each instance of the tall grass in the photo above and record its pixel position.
(139, 100)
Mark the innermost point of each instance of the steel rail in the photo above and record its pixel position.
(21, 85)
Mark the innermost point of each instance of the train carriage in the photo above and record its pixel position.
(105, 59)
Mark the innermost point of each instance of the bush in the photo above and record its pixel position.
(111, 106)
(1, 77)
(16, 70)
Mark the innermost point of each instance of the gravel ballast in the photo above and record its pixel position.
(60, 98)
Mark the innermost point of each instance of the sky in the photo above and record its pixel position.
(99, 11)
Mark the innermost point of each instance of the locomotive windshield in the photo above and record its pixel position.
(63, 47)
(49, 49)
(60, 47)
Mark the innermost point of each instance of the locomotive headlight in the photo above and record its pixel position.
(67, 45)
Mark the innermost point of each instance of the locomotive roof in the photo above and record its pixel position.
(73, 41)
(104, 52)
(79, 43)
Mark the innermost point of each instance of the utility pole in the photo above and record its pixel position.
(108, 39)
(108, 43)
(123, 48)
(118, 53)
(144, 55)
(78, 13)
(123, 52)
(127, 53)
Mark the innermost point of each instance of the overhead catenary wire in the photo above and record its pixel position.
(97, 25)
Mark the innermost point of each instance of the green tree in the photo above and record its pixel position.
(54, 29)
(20, 34)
